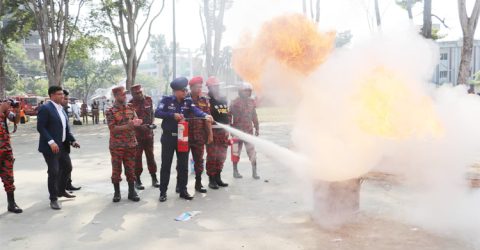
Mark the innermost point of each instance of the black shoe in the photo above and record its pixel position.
(72, 188)
(155, 181)
(132, 195)
(12, 206)
(163, 197)
(67, 195)
(212, 183)
(116, 196)
(177, 190)
(185, 195)
(199, 187)
(219, 181)
(54, 205)
(138, 184)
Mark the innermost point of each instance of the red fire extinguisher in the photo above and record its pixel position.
(182, 135)
(234, 150)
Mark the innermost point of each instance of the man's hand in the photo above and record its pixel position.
(209, 118)
(75, 144)
(210, 138)
(257, 132)
(137, 122)
(55, 148)
(178, 117)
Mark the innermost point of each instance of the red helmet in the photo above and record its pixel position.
(196, 80)
(212, 81)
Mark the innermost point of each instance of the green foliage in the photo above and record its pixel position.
(343, 38)
(403, 3)
(17, 21)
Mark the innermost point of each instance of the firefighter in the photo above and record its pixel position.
(173, 109)
(217, 150)
(200, 131)
(244, 117)
(143, 106)
(122, 121)
(6, 154)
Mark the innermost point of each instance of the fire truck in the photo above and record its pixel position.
(29, 103)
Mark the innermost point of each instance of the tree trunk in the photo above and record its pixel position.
(304, 7)
(208, 45)
(317, 12)
(377, 14)
(218, 38)
(409, 9)
(3, 75)
(469, 25)
(427, 19)
(464, 71)
(174, 45)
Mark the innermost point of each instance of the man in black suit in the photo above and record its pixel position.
(52, 124)
(67, 161)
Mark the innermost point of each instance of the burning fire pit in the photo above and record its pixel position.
(336, 202)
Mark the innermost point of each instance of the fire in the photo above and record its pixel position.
(390, 108)
(292, 40)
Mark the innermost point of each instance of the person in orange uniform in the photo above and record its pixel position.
(122, 121)
(143, 106)
(200, 131)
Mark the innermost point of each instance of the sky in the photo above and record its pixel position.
(339, 15)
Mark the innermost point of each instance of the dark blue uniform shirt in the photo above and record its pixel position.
(169, 105)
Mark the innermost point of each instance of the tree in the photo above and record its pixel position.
(211, 17)
(314, 14)
(469, 25)
(123, 18)
(85, 73)
(427, 19)
(56, 26)
(407, 5)
(377, 15)
(162, 54)
(15, 23)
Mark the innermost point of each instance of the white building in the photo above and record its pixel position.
(450, 56)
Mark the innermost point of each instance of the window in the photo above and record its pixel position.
(443, 74)
(443, 56)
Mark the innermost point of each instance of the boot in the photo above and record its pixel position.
(138, 184)
(185, 195)
(155, 181)
(132, 194)
(70, 187)
(254, 171)
(219, 181)
(212, 183)
(163, 197)
(12, 206)
(198, 184)
(116, 196)
(236, 174)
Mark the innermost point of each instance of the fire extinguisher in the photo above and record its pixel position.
(182, 135)
(234, 150)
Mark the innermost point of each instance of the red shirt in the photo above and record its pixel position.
(120, 115)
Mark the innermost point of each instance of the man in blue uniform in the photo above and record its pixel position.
(173, 109)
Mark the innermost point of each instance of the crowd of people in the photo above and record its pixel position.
(131, 126)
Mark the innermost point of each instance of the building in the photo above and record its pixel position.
(450, 56)
(33, 46)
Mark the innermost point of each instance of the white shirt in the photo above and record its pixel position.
(64, 122)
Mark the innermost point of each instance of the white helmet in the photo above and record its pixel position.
(246, 86)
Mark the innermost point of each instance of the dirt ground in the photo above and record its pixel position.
(271, 213)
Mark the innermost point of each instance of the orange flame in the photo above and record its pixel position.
(389, 108)
(292, 40)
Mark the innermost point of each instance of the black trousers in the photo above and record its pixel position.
(169, 147)
(57, 173)
(66, 165)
